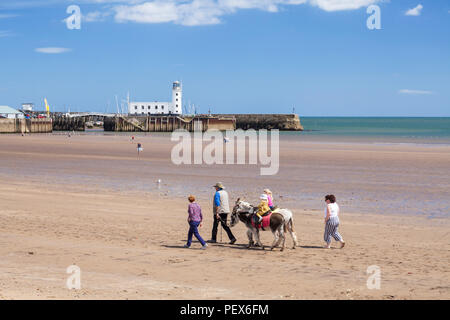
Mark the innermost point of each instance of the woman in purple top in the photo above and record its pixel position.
(195, 219)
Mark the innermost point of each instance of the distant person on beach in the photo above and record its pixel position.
(139, 149)
(332, 222)
(195, 219)
(221, 209)
(269, 198)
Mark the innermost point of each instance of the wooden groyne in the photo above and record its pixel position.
(26, 125)
(168, 123)
(283, 122)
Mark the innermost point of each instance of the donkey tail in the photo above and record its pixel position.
(291, 224)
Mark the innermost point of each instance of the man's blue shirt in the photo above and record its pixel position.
(217, 199)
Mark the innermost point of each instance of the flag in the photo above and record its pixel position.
(47, 108)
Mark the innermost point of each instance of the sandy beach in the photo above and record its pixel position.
(88, 201)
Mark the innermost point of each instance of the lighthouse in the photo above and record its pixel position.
(177, 98)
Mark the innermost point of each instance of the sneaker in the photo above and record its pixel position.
(233, 241)
(186, 246)
(204, 247)
(211, 241)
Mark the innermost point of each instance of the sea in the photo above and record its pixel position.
(380, 129)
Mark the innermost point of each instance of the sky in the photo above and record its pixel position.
(233, 56)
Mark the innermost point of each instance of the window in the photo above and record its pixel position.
(177, 94)
(162, 107)
(177, 99)
(135, 107)
(156, 107)
(143, 107)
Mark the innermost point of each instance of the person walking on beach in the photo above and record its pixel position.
(195, 219)
(221, 209)
(332, 222)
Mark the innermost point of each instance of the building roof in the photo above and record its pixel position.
(8, 110)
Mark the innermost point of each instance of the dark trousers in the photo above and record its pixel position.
(193, 230)
(223, 217)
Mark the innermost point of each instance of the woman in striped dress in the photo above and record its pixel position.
(332, 222)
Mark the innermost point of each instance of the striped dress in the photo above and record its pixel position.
(332, 225)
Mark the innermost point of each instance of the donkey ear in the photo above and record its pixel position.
(237, 201)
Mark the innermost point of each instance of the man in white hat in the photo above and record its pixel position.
(221, 209)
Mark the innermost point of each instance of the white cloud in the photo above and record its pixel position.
(149, 12)
(52, 50)
(339, 5)
(95, 16)
(205, 12)
(193, 12)
(7, 15)
(408, 91)
(414, 11)
(5, 33)
(189, 12)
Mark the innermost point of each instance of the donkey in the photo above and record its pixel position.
(281, 221)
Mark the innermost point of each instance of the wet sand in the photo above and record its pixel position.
(88, 201)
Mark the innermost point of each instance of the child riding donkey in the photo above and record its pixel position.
(263, 211)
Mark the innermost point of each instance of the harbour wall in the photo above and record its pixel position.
(157, 123)
(62, 123)
(168, 123)
(283, 122)
(26, 125)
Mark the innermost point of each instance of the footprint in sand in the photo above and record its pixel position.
(176, 260)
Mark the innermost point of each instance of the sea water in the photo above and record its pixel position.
(370, 129)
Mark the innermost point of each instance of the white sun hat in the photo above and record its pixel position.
(263, 197)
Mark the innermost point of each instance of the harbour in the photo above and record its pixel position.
(151, 123)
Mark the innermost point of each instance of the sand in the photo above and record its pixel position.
(88, 201)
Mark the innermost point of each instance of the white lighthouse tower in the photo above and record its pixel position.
(177, 98)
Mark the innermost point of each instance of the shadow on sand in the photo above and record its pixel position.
(310, 247)
(237, 246)
(181, 247)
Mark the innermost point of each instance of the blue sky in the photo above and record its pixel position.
(233, 56)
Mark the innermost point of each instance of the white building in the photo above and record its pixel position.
(27, 106)
(155, 107)
(10, 113)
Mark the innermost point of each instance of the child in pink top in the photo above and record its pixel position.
(269, 198)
